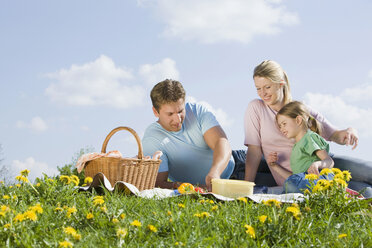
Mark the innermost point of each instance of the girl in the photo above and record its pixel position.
(310, 151)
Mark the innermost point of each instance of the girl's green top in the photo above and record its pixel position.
(303, 152)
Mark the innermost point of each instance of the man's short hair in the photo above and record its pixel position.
(166, 91)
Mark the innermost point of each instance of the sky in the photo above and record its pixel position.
(71, 71)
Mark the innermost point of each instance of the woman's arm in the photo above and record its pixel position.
(347, 136)
(325, 162)
(252, 161)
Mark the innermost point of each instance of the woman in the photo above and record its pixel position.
(262, 136)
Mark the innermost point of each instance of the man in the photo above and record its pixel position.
(195, 148)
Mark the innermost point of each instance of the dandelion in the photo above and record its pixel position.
(121, 233)
(98, 201)
(202, 215)
(57, 209)
(103, 209)
(340, 182)
(7, 225)
(31, 215)
(70, 211)
(242, 199)
(336, 171)
(19, 218)
(38, 185)
(295, 212)
(211, 201)
(339, 176)
(202, 201)
(169, 213)
(136, 223)
(75, 180)
(76, 236)
(342, 235)
(122, 216)
(347, 175)
(37, 208)
(88, 180)
(152, 228)
(65, 179)
(65, 244)
(325, 184)
(250, 230)
(181, 205)
(114, 220)
(311, 177)
(22, 179)
(214, 208)
(25, 172)
(18, 185)
(262, 218)
(90, 216)
(2, 214)
(4, 208)
(69, 230)
(325, 171)
(272, 202)
(6, 197)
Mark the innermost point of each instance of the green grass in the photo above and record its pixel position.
(185, 221)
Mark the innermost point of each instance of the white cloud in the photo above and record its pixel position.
(341, 113)
(99, 82)
(358, 93)
(153, 74)
(211, 21)
(221, 115)
(36, 168)
(36, 124)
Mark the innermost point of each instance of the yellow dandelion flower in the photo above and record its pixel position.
(4, 208)
(19, 218)
(272, 202)
(65, 244)
(90, 216)
(136, 223)
(121, 232)
(181, 205)
(339, 176)
(342, 235)
(14, 197)
(214, 208)
(75, 180)
(202, 201)
(88, 180)
(170, 220)
(243, 199)
(69, 230)
(38, 185)
(205, 214)
(22, 179)
(325, 171)
(347, 175)
(58, 209)
(197, 215)
(250, 230)
(340, 182)
(169, 213)
(211, 201)
(7, 225)
(31, 215)
(50, 180)
(6, 197)
(18, 185)
(336, 171)
(65, 179)
(152, 228)
(295, 211)
(98, 201)
(2, 214)
(262, 218)
(37, 208)
(122, 216)
(76, 236)
(114, 220)
(311, 177)
(104, 209)
(70, 211)
(25, 172)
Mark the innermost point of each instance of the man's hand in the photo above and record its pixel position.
(347, 136)
(272, 159)
(208, 179)
(314, 168)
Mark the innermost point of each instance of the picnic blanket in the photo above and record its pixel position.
(100, 183)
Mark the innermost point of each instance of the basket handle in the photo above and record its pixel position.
(140, 151)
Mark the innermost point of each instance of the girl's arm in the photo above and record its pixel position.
(272, 162)
(325, 162)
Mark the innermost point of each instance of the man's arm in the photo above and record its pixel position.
(216, 139)
(347, 136)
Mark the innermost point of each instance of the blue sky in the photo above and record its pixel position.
(71, 71)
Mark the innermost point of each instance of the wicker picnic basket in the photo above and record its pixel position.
(138, 171)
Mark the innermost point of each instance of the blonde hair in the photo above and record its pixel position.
(294, 109)
(274, 72)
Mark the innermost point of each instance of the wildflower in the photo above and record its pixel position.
(242, 199)
(262, 218)
(65, 244)
(214, 208)
(65, 179)
(121, 232)
(7, 225)
(37, 208)
(170, 220)
(340, 182)
(325, 171)
(98, 201)
(347, 175)
(90, 216)
(6, 197)
(203, 215)
(88, 180)
(342, 235)
(25, 172)
(14, 197)
(114, 220)
(317, 188)
(325, 184)
(311, 177)
(2, 214)
(211, 201)
(31, 215)
(74, 179)
(76, 236)
(152, 228)
(181, 205)
(336, 171)
(272, 202)
(250, 230)
(169, 213)
(136, 223)
(295, 212)
(4, 208)
(19, 218)
(122, 216)
(18, 185)
(38, 185)
(103, 209)
(202, 201)
(339, 176)
(58, 209)
(70, 211)
(69, 230)
(22, 179)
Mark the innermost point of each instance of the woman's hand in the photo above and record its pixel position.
(272, 159)
(347, 136)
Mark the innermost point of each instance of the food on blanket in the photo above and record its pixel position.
(199, 190)
(232, 188)
(186, 188)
